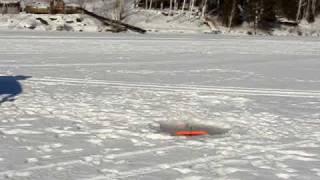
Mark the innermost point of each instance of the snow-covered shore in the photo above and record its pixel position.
(152, 21)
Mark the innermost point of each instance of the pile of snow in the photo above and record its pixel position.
(156, 21)
(48, 22)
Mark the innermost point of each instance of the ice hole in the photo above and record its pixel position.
(191, 128)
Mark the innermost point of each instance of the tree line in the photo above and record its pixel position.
(261, 13)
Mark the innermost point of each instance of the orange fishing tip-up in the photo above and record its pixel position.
(191, 133)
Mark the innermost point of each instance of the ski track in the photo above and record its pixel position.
(215, 89)
(81, 64)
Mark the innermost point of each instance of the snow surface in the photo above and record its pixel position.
(88, 110)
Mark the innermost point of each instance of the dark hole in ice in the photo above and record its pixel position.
(181, 128)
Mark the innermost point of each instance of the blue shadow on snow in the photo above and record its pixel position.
(10, 87)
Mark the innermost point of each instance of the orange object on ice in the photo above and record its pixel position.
(191, 133)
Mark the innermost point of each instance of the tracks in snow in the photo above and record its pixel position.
(153, 169)
(125, 174)
(186, 88)
(81, 161)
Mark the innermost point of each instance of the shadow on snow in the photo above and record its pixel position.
(10, 87)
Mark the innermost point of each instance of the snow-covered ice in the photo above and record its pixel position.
(88, 108)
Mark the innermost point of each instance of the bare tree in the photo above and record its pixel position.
(307, 10)
(119, 9)
(310, 10)
(232, 13)
(183, 5)
(313, 7)
(204, 6)
(299, 10)
(191, 5)
(136, 3)
(170, 8)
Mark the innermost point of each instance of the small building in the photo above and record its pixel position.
(10, 6)
(38, 7)
(52, 7)
(64, 7)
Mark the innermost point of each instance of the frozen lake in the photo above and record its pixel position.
(85, 105)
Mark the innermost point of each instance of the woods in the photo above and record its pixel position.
(258, 13)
